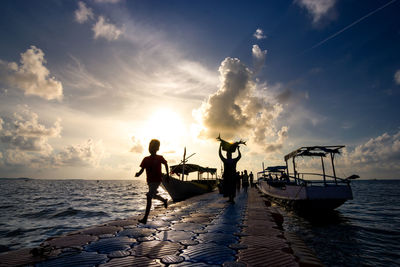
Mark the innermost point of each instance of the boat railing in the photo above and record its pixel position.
(326, 179)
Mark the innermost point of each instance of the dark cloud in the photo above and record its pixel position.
(284, 96)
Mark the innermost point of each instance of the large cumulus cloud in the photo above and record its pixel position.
(238, 110)
(31, 75)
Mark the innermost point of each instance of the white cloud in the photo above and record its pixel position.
(31, 76)
(383, 149)
(259, 34)
(397, 77)
(258, 57)
(25, 143)
(377, 158)
(83, 13)
(24, 132)
(317, 8)
(104, 29)
(137, 146)
(86, 154)
(236, 111)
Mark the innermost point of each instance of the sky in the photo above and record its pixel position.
(85, 85)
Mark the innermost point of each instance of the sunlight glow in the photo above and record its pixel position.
(167, 126)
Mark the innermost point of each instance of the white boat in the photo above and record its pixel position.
(300, 191)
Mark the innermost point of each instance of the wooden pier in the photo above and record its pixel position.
(201, 231)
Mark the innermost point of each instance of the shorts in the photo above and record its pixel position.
(153, 186)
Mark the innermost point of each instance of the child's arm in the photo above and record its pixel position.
(139, 172)
(167, 170)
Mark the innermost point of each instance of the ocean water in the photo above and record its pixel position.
(33, 210)
(362, 232)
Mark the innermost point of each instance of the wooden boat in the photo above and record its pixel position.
(180, 189)
(296, 191)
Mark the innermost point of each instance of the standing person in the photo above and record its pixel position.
(238, 181)
(152, 165)
(245, 180)
(251, 176)
(229, 172)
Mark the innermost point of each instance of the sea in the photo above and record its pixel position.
(363, 232)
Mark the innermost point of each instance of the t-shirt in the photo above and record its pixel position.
(152, 164)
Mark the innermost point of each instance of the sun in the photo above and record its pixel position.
(167, 126)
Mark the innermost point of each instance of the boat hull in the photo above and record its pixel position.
(307, 198)
(181, 190)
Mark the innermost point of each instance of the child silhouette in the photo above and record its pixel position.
(152, 165)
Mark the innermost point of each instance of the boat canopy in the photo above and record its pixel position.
(192, 168)
(314, 151)
(273, 169)
(276, 169)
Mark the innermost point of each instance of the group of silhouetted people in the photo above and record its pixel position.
(244, 180)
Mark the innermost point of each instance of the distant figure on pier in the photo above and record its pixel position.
(245, 181)
(251, 176)
(229, 180)
(238, 181)
(152, 165)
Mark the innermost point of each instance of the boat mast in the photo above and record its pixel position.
(183, 164)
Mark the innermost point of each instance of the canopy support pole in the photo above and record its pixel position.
(333, 167)
(294, 170)
(323, 170)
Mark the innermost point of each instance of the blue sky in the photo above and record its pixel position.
(85, 85)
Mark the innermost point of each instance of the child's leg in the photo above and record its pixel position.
(152, 192)
(158, 197)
